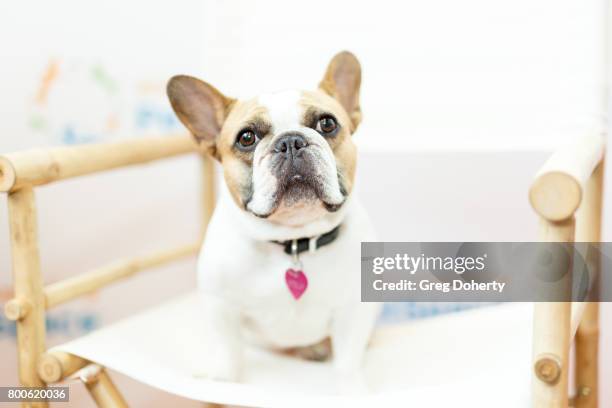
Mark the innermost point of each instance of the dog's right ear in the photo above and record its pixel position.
(200, 106)
(342, 81)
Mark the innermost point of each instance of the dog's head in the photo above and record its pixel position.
(288, 156)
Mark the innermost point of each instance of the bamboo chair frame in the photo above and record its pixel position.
(567, 179)
(19, 174)
(567, 195)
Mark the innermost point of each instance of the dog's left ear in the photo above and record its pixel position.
(342, 80)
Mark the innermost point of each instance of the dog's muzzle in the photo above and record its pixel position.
(292, 162)
(296, 168)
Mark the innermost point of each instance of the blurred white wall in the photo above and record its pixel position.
(448, 74)
(81, 72)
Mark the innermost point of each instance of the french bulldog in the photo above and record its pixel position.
(280, 264)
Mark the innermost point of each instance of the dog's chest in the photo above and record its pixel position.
(272, 313)
(256, 285)
(261, 282)
(251, 277)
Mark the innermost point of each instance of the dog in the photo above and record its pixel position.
(280, 265)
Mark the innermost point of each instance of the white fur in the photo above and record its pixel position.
(283, 109)
(241, 273)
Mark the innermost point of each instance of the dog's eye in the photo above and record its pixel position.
(247, 138)
(326, 125)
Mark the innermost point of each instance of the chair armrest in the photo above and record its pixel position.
(560, 184)
(42, 166)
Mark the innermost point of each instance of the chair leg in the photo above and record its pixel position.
(588, 229)
(103, 391)
(551, 334)
(28, 288)
(587, 345)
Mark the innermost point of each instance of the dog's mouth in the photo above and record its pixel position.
(300, 190)
(297, 186)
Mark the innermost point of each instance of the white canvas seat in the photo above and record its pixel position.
(474, 355)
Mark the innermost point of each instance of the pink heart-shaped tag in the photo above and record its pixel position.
(296, 282)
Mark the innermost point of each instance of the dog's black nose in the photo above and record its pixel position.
(290, 143)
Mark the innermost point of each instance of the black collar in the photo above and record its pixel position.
(303, 244)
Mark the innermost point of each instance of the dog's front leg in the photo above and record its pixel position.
(222, 348)
(351, 330)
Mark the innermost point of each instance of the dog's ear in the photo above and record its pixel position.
(342, 80)
(200, 106)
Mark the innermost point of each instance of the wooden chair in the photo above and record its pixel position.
(567, 195)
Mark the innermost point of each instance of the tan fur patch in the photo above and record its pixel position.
(236, 167)
(345, 150)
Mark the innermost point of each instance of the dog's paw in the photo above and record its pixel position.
(218, 366)
(317, 352)
(320, 351)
